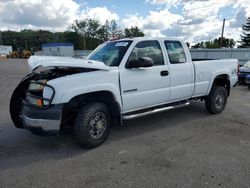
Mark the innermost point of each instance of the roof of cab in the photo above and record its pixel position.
(148, 38)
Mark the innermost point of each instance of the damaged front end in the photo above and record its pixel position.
(31, 102)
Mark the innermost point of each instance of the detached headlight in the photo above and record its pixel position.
(37, 86)
(39, 93)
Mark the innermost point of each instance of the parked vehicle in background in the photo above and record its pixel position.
(243, 72)
(248, 80)
(33, 50)
(120, 80)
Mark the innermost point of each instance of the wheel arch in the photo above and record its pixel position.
(222, 79)
(104, 96)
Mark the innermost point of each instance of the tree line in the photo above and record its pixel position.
(216, 43)
(85, 34)
(88, 34)
(90, 30)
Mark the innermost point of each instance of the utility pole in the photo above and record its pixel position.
(222, 33)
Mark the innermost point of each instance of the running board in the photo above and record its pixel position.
(154, 111)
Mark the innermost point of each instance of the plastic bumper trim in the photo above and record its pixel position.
(46, 125)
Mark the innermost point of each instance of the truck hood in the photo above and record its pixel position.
(50, 61)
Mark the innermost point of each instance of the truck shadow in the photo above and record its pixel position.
(135, 127)
(28, 148)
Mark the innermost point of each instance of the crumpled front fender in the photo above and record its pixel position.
(15, 105)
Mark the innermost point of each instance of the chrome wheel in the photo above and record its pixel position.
(98, 124)
(219, 100)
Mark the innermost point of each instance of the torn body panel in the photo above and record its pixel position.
(23, 95)
(36, 61)
(17, 97)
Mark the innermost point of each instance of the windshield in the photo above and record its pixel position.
(111, 53)
(247, 64)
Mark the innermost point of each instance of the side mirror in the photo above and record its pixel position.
(141, 62)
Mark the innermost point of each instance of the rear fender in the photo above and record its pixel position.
(214, 76)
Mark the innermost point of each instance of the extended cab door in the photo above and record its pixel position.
(145, 87)
(182, 70)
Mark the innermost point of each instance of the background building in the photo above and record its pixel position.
(58, 49)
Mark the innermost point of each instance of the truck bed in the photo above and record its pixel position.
(205, 72)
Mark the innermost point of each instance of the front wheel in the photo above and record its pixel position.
(216, 100)
(92, 125)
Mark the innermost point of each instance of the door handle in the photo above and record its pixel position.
(164, 73)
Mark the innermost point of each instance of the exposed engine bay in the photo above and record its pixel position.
(49, 73)
(30, 89)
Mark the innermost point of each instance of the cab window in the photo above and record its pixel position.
(149, 49)
(111, 53)
(175, 52)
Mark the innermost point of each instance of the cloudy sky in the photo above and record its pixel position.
(193, 20)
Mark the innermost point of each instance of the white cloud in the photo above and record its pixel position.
(47, 14)
(244, 4)
(198, 19)
(38, 13)
(153, 33)
(133, 20)
(164, 2)
(161, 20)
(238, 20)
(207, 22)
(99, 13)
(154, 23)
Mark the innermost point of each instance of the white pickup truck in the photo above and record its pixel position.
(120, 80)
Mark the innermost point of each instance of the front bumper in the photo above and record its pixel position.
(242, 77)
(42, 120)
(248, 79)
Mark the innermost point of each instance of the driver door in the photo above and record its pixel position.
(145, 87)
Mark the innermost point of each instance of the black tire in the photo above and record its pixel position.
(249, 87)
(85, 126)
(216, 100)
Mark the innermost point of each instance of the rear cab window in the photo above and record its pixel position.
(175, 51)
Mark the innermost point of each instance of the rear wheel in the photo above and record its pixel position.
(216, 100)
(92, 125)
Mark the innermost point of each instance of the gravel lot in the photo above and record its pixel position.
(180, 148)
